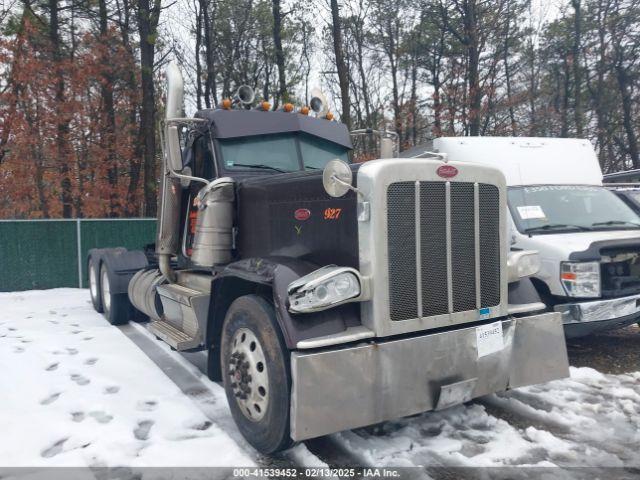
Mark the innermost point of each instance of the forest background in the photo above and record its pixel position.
(81, 81)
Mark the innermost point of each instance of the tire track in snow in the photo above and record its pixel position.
(188, 372)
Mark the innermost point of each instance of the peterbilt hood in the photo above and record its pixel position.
(578, 245)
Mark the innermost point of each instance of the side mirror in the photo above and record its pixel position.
(386, 147)
(337, 178)
(173, 149)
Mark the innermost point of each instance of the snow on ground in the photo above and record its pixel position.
(589, 420)
(76, 392)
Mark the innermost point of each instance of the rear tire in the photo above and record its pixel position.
(115, 305)
(256, 374)
(94, 285)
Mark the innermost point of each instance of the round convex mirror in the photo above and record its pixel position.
(337, 178)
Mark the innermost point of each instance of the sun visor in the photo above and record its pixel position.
(245, 123)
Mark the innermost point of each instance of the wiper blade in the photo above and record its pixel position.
(615, 222)
(260, 166)
(556, 226)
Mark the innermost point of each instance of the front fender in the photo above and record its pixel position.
(271, 276)
(122, 264)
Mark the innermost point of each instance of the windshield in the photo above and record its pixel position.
(287, 152)
(556, 208)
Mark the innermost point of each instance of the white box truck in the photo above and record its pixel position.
(587, 237)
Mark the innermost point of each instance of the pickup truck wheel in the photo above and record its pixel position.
(94, 285)
(256, 375)
(115, 306)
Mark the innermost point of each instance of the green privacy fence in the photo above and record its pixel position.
(36, 254)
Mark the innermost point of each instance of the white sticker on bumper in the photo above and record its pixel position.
(489, 339)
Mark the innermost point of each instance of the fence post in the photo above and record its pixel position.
(79, 248)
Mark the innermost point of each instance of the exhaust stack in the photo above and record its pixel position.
(167, 240)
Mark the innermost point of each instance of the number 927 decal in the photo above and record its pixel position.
(332, 213)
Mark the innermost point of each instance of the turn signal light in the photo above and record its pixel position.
(568, 276)
(304, 110)
(288, 107)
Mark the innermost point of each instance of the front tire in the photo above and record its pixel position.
(115, 305)
(256, 374)
(94, 285)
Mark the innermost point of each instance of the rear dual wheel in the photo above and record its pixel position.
(94, 285)
(256, 374)
(115, 306)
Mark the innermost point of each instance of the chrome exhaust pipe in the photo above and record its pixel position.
(167, 240)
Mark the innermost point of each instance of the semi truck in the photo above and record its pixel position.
(587, 237)
(328, 295)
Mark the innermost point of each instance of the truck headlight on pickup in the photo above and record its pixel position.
(581, 279)
(523, 263)
(325, 288)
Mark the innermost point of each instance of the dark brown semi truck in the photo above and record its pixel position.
(329, 295)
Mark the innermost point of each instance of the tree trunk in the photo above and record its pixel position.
(148, 16)
(475, 96)
(210, 93)
(577, 72)
(198, 61)
(279, 52)
(62, 122)
(343, 74)
(628, 123)
(108, 134)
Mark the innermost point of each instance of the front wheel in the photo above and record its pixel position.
(256, 375)
(115, 305)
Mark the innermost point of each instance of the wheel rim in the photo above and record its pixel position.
(93, 281)
(106, 290)
(248, 374)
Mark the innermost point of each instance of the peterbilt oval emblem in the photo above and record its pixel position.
(302, 214)
(447, 171)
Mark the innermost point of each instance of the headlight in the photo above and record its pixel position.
(581, 279)
(324, 288)
(522, 264)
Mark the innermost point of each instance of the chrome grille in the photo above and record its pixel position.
(433, 248)
(489, 212)
(463, 243)
(424, 221)
(402, 251)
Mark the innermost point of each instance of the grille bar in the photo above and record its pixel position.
(401, 244)
(443, 244)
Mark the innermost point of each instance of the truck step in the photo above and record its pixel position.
(174, 337)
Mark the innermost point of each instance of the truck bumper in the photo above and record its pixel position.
(345, 388)
(588, 317)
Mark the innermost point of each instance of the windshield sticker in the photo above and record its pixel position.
(530, 212)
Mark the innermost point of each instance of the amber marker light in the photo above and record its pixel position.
(304, 110)
(288, 107)
(568, 276)
(265, 106)
(329, 116)
(226, 104)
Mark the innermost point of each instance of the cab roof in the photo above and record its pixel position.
(245, 123)
(529, 160)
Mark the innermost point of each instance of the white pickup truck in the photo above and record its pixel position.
(587, 237)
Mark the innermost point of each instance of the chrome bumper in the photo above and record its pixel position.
(351, 387)
(599, 310)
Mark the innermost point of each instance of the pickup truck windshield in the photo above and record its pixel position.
(545, 209)
(287, 152)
